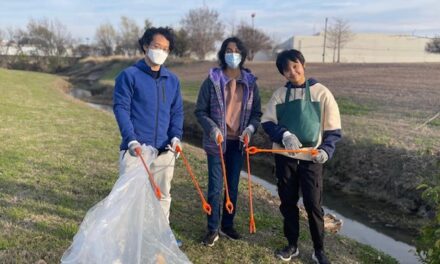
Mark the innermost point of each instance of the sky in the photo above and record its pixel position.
(279, 19)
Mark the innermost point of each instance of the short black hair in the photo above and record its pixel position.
(285, 56)
(146, 39)
(222, 51)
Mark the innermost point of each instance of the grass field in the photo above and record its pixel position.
(59, 157)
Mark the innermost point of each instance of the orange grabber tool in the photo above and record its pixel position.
(252, 228)
(255, 150)
(150, 177)
(206, 207)
(229, 206)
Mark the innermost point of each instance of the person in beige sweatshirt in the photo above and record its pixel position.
(303, 114)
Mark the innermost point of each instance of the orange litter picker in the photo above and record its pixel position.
(205, 206)
(252, 228)
(229, 206)
(255, 150)
(150, 176)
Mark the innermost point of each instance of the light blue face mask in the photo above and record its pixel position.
(233, 60)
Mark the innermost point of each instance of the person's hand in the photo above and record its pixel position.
(249, 131)
(290, 141)
(321, 157)
(132, 146)
(175, 146)
(216, 136)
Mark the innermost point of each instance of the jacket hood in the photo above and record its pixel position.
(218, 77)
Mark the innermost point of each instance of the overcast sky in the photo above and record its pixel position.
(279, 19)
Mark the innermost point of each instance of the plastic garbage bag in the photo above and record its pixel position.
(128, 226)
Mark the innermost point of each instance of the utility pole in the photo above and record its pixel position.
(325, 38)
(251, 50)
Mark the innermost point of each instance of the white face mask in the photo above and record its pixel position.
(233, 60)
(157, 56)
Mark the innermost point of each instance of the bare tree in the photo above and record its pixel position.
(181, 43)
(82, 50)
(434, 45)
(254, 39)
(15, 37)
(147, 24)
(105, 38)
(49, 37)
(204, 30)
(232, 25)
(2, 37)
(128, 35)
(339, 34)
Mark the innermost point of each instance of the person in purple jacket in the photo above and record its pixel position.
(148, 107)
(228, 105)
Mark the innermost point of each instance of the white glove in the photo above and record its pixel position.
(132, 146)
(321, 157)
(175, 142)
(248, 131)
(214, 135)
(290, 141)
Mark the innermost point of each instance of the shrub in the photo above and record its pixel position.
(428, 242)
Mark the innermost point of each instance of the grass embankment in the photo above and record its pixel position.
(59, 157)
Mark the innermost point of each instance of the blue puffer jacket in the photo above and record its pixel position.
(148, 110)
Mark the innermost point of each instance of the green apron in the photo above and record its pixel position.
(301, 117)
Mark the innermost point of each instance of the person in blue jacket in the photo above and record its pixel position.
(148, 107)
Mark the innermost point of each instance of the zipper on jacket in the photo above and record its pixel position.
(163, 93)
(157, 113)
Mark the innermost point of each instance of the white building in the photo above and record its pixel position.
(365, 47)
(11, 48)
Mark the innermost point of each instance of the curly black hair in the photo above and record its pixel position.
(146, 39)
(222, 51)
(289, 55)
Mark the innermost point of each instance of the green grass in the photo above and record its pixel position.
(59, 157)
(435, 122)
(114, 69)
(348, 107)
(190, 90)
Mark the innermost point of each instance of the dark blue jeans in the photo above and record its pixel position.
(233, 163)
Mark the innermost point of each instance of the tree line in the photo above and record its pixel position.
(200, 29)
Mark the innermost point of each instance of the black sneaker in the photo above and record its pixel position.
(287, 253)
(210, 238)
(230, 233)
(320, 257)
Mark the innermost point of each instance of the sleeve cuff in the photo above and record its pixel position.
(174, 140)
(286, 133)
(132, 142)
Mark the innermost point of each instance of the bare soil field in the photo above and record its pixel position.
(405, 86)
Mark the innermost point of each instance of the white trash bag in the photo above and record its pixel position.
(128, 226)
